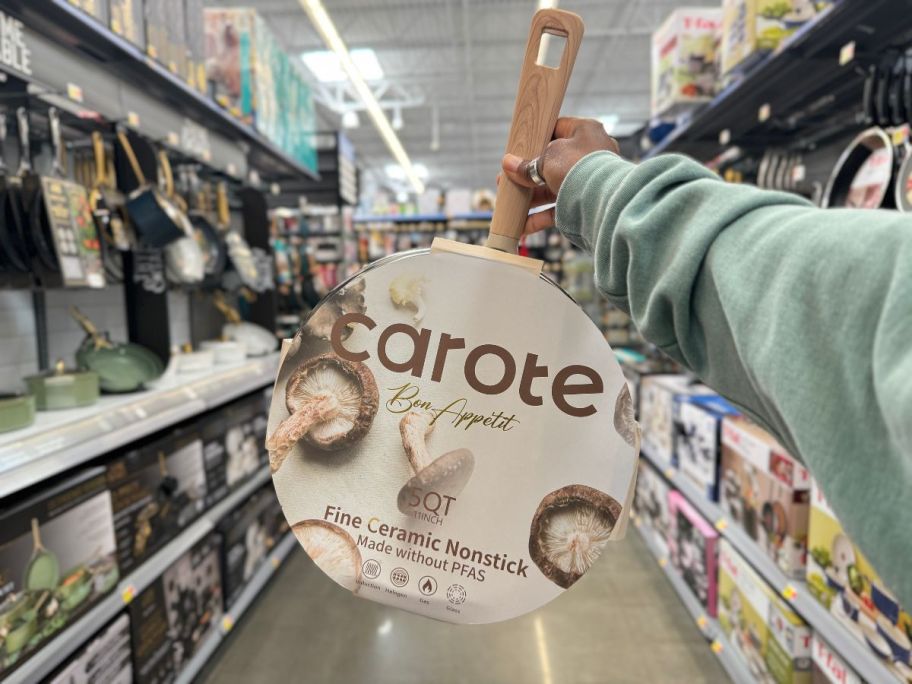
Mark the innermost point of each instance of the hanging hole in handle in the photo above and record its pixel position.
(551, 48)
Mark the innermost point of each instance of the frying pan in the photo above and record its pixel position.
(864, 172)
(156, 219)
(40, 219)
(868, 96)
(106, 203)
(43, 569)
(184, 262)
(882, 90)
(239, 252)
(13, 255)
(215, 253)
(371, 410)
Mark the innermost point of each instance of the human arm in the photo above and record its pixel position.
(802, 317)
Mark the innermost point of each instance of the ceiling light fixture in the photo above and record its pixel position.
(397, 119)
(350, 119)
(326, 66)
(546, 4)
(322, 22)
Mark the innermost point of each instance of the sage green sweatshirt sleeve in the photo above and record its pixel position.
(801, 316)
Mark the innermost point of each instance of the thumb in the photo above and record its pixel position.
(515, 169)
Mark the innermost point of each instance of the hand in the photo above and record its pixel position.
(573, 139)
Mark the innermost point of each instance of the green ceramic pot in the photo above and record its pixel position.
(16, 411)
(120, 367)
(63, 389)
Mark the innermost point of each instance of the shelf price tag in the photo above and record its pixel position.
(702, 622)
(669, 473)
(847, 53)
(231, 169)
(721, 524)
(173, 139)
(275, 562)
(128, 594)
(663, 561)
(74, 92)
(789, 592)
(763, 114)
(227, 623)
(133, 119)
(716, 647)
(725, 137)
(900, 134)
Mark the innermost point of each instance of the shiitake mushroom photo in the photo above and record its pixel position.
(569, 530)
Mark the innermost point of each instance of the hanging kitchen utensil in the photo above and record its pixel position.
(256, 340)
(61, 388)
(215, 252)
(106, 203)
(422, 390)
(156, 220)
(13, 252)
(239, 252)
(124, 367)
(62, 225)
(882, 90)
(868, 96)
(895, 96)
(43, 569)
(863, 175)
(184, 262)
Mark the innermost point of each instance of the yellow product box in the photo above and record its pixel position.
(751, 28)
(767, 635)
(684, 59)
(843, 580)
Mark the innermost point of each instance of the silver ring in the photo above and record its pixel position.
(533, 172)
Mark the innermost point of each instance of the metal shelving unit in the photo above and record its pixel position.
(56, 651)
(856, 653)
(61, 440)
(708, 626)
(257, 583)
(806, 92)
(71, 48)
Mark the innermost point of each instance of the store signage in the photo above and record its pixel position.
(14, 50)
(149, 270)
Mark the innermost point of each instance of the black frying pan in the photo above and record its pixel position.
(13, 254)
(42, 237)
(207, 235)
(112, 232)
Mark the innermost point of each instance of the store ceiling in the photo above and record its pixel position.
(464, 56)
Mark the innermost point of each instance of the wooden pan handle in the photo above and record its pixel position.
(538, 103)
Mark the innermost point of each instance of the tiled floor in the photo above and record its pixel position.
(621, 623)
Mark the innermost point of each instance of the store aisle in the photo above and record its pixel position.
(622, 623)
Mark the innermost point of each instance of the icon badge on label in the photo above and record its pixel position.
(371, 569)
(456, 594)
(399, 577)
(427, 585)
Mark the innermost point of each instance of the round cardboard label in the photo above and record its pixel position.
(452, 436)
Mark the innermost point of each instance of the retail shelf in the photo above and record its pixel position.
(414, 218)
(709, 627)
(793, 94)
(60, 440)
(259, 580)
(856, 653)
(57, 650)
(103, 57)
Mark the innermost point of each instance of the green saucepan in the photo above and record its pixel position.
(43, 570)
(63, 389)
(16, 411)
(121, 367)
(75, 588)
(12, 609)
(26, 626)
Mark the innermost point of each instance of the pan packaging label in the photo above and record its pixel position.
(452, 436)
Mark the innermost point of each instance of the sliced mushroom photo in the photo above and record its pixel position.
(407, 292)
(625, 419)
(345, 301)
(332, 403)
(445, 476)
(332, 549)
(569, 530)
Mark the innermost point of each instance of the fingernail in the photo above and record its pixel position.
(512, 163)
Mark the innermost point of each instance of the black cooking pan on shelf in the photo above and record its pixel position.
(156, 219)
(13, 253)
(39, 217)
(106, 204)
(863, 175)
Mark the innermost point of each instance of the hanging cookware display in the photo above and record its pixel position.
(215, 252)
(256, 339)
(124, 367)
(13, 253)
(61, 388)
(62, 226)
(184, 262)
(156, 219)
(239, 252)
(903, 185)
(17, 411)
(107, 203)
(863, 175)
(421, 390)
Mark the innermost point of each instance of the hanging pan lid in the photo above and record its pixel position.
(450, 434)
